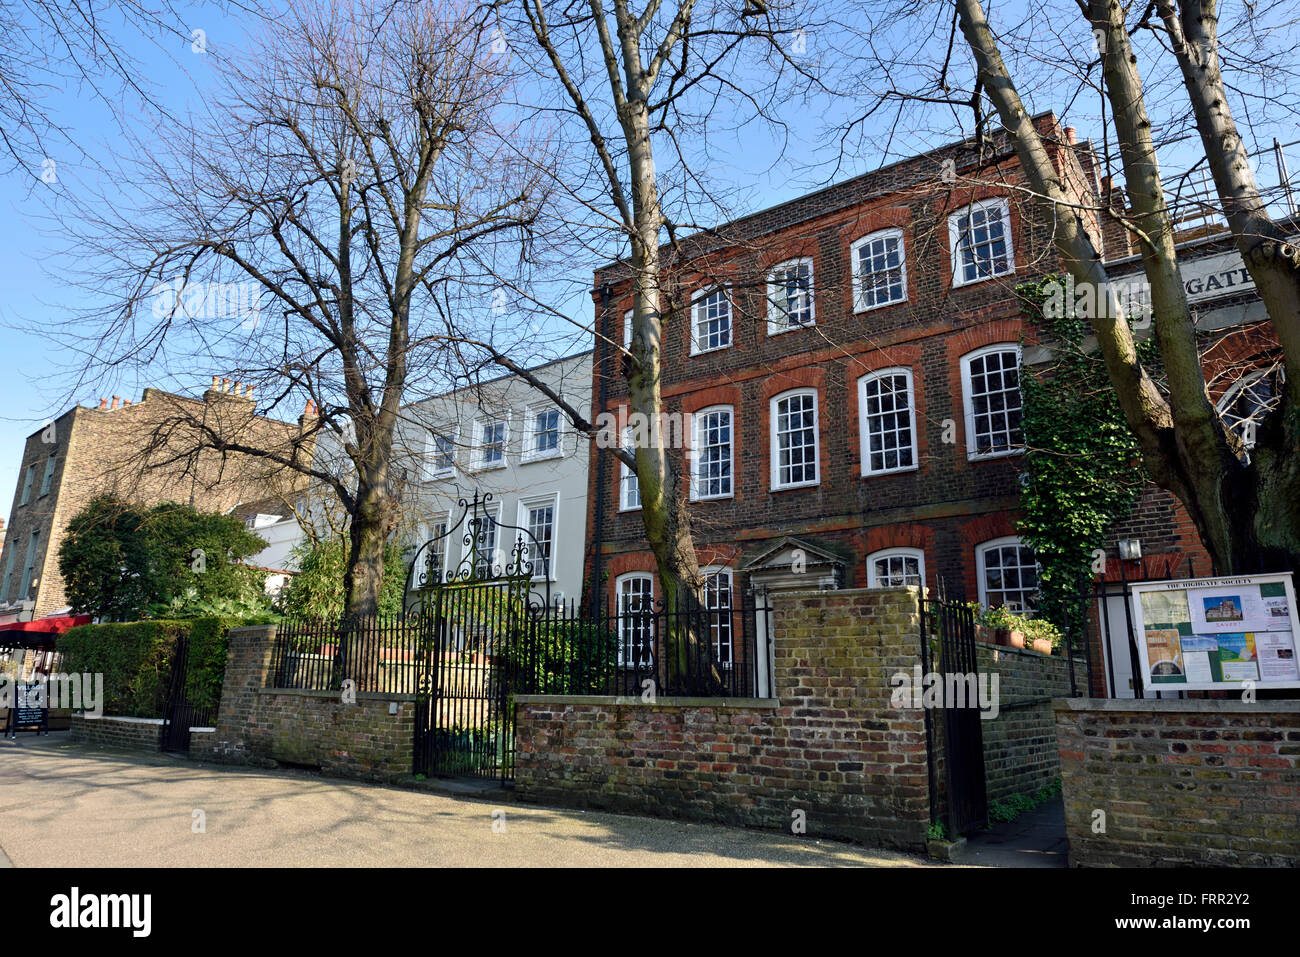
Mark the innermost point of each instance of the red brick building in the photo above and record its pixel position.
(850, 361)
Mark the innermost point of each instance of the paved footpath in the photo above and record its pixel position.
(68, 805)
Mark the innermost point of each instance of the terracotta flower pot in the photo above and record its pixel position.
(986, 634)
(1017, 639)
(1002, 636)
(1043, 646)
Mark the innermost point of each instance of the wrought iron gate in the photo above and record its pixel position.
(951, 628)
(476, 625)
(180, 713)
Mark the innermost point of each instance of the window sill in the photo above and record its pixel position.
(859, 309)
(540, 457)
(713, 498)
(795, 488)
(988, 456)
(703, 352)
(958, 284)
(885, 473)
(776, 329)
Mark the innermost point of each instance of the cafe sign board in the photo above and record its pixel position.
(1216, 634)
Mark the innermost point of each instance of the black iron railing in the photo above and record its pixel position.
(620, 650)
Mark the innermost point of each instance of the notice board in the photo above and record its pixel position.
(1215, 634)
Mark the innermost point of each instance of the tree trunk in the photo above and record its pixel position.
(1184, 445)
(363, 580)
(1272, 259)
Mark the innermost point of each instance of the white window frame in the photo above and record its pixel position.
(541, 501)
(1233, 391)
(968, 401)
(722, 571)
(627, 330)
(467, 549)
(855, 268)
(697, 447)
(873, 579)
(431, 471)
(697, 300)
(955, 222)
(625, 645)
(531, 453)
(774, 440)
(777, 319)
(626, 474)
(480, 450)
(981, 577)
(425, 534)
(864, 443)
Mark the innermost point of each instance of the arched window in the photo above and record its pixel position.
(1007, 573)
(711, 448)
(1249, 400)
(794, 439)
(790, 296)
(895, 567)
(887, 422)
(879, 270)
(980, 239)
(991, 399)
(635, 595)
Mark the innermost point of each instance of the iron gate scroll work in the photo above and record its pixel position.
(952, 628)
(475, 624)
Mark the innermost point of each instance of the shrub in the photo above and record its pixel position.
(135, 659)
(568, 657)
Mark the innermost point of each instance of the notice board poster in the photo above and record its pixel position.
(1203, 634)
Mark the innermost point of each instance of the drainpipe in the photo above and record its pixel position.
(598, 532)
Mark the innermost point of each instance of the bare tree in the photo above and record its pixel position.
(341, 187)
(644, 89)
(1239, 508)
(48, 44)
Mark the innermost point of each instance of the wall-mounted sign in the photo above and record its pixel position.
(1202, 634)
(1209, 277)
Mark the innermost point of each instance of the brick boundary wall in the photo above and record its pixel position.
(108, 731)
(831, 745)
(1181, 782)
(1020, 753)
(267, 727)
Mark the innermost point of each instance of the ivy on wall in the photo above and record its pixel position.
(1082, 462)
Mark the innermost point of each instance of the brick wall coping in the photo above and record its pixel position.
(243, 628)
(630, 701)
(1203, 705)
(116, 717)
(361, 695)
(203, 730)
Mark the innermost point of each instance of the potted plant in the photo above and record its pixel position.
(1007, 626)
(1043, 635)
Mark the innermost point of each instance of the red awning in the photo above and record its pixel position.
(48, 626)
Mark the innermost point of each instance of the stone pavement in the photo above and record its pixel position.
(68, 805)
(1034, 839)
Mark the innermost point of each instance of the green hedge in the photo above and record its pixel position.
(135, 658)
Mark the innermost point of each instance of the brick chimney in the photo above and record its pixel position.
(1071, 136)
